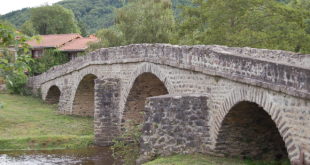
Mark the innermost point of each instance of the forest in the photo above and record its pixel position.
(92, 14)
(271, 24)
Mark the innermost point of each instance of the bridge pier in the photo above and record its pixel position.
(175, 124)
(106, 120)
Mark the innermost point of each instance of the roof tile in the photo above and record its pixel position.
(53, 40)
(79, 44)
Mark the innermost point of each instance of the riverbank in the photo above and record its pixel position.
(200, 159)
(26, 123)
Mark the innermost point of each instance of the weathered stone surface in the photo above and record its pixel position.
(249, 132)
(83, 104)
(277, 81)
(146, 85)
(53, 95)
(278, 70)
(106, 124)
(175, 124)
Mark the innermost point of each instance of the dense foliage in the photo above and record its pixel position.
(50, 58)
(255, 23)
(13, 65)
(272, 24)
(140, 21)
(93, 14)
(53, 20)
(17, 17)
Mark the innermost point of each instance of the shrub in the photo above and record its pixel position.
(50, 58)
(16, 84)
(13, 65)
(126, 147)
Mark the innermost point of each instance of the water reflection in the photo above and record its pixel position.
(89, 156)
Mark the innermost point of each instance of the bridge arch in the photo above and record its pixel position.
(144, 68)
(147, 81)
(249, 107)
(53, 95)
(83, 101)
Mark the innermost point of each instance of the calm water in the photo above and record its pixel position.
(89, 156)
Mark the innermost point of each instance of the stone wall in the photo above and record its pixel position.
(175, 124)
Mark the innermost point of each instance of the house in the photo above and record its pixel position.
(70, 44)
(76, 46)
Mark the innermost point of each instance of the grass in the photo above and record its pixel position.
(27, 123)
(199, 159)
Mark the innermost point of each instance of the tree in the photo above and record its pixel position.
(303, 5)
(28, 29)
(82, 27)
(193, 23)
(51, 57)
(256, 23)
(139, 21)
(13, 67)
(108, 38)
(53, 20)
(149, 21)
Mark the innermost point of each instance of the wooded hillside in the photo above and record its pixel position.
(93, 14)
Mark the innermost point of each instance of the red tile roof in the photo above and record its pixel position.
(79, 44)
(53, 40)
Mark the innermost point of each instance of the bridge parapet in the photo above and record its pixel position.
(283, 71)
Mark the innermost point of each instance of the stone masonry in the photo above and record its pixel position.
(83, 104)
(175, 124)
(53, 95)
(146, 85)
(253, 80)
(106, 118)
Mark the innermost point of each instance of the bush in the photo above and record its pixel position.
(13, 65)
(16, 84)
(50, 58)
(127, 146)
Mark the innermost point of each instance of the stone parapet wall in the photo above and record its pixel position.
(276, 70)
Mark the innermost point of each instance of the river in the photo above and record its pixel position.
(89, 156)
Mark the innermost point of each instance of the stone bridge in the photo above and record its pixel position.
(240, 102)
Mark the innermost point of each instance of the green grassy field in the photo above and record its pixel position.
(27, 123)
(199, 159)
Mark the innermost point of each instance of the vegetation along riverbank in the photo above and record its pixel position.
(28, 124)
(200, 159)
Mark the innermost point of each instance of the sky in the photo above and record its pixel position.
(7, 6)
